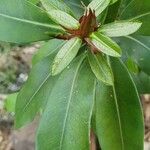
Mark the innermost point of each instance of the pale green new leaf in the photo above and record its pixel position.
(64, 19)
(105, 44)
(113, 1)
(100, 68)
(56, 5)
(65, 123)
(35, 93)
(47, 49)
(118, 112)
(98, 6)
(120, 28)
(23, 22)
(66, 55)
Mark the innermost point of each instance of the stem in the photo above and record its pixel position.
(93, 141)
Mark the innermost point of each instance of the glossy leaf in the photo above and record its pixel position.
(64, 19)
(105, 45)
(100, 68)
(139, 48)
(65, 123)
(137, 10)
(35, 93)
(98, 6)
(47, 49)
(56, 5)
(120, 28)
(119, 117)
(23, 22)
(66, 55)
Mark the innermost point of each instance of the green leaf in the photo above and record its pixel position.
(98, 6)
(23, 22)
(137, 10)
(66, 55)
(64, 19)
(138, 47)
(119, 117)
(34, 1)
(56, 5)
(113, 1)
(65, 123)
(142, 81)
(105, 44)
(76, 6)
(120, 28)
(100, 68)
(47, 49)
(112, 13)
(10, 102)
(132, 66)
(35, 93)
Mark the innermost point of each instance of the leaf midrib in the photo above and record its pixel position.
(101, 68)
(31, 98)
(32, 22)
(109, 49)
(69, 101)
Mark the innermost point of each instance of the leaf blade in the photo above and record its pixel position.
(100, 68)
(56, 5)
(98, 5)
(29, 23)
(64, 19)
(66, 55)
(47, 49)
(124, 112)
(105, 44)
(120, 28)
(31, 100)
(71, 102)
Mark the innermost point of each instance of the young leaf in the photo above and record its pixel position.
(105, 44)
(64, 19)
(23, 22)
(56, 5)
(118, 112)
(65, 123)
(98, 6)
(100, 68)
(47, 49)
(35, 93)
(66, 55)
(120, 28)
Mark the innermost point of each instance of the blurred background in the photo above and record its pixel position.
(15, 64)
